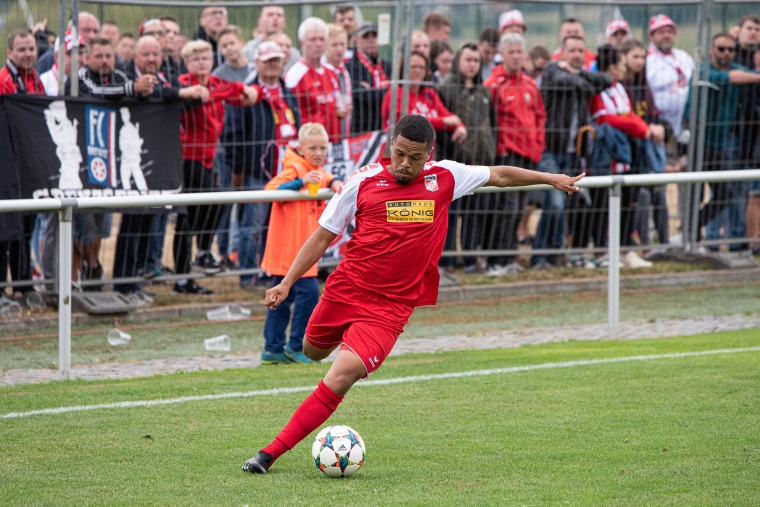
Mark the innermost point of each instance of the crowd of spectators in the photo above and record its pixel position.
(621, 108)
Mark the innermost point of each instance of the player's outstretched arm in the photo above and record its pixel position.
(509, 176)
(310, 253)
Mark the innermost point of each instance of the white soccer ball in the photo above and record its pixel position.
(338, 451)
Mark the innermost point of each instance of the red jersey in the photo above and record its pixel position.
(316, 98)
(425, 103)
(201, 126)
(520, 114)
(400, 229)
(13, 80)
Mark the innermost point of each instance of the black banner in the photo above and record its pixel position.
(72, 147)
(10, 223)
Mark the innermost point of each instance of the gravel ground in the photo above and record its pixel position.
(629, 330)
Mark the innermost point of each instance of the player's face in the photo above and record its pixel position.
(407, 159)
(314, 149)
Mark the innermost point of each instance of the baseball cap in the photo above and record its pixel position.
(365, 29)
(511, 18)
(68, 39)
(617, 25)
(268, 50)
(149, 22)
(660, 20)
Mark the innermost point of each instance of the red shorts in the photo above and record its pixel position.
(359, 321)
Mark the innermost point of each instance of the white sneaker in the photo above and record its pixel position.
(509, 269)
(632, 260)
(676, 239)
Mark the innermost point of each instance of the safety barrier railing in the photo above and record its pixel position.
(66, 207)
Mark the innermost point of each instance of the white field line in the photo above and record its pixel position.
(380, 382)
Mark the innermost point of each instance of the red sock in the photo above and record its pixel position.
(310, 415)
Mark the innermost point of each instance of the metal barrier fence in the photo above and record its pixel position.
(66, 207)
(488, 225)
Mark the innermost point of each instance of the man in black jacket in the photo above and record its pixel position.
(566, 89)
(369, 81)
(133, 251)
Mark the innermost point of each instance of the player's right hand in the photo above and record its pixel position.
(275, 296)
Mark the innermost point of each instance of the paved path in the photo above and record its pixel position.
(628, 331)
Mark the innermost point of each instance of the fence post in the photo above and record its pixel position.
(65, 242)
(613, 273)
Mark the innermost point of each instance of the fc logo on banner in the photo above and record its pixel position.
(101, 146)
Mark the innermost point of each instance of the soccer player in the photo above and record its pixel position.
(391, 264)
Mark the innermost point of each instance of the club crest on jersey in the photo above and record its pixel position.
(431, 182)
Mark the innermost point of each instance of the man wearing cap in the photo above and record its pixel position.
(574, 27)
(369, 81)
(258, 131)
(512, 21)
(616, 32)
(311, 82)
(668, 71)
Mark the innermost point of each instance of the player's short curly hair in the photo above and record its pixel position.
(415, 128)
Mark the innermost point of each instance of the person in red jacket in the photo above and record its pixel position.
(19, 76)
(424, 101)
(201, 126)
(520, 120)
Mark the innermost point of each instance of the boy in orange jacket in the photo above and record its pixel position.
(290, 225)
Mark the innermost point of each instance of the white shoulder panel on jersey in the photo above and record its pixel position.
(295, 74)
(342, 207)
(466, 177)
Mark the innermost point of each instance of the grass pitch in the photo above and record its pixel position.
(667, 431)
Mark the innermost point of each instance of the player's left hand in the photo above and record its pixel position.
(566, 183)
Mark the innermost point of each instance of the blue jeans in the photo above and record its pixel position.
(553, 223)
(156, 241)
(253, 230)
(305, 294)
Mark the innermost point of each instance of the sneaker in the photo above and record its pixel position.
(228, 263)
(274, 357)
(297, 356)
(603, 262)
(207, 263)
(191, 287)
(259, 464)
(510, 269)
(632, 260)
(542, 264)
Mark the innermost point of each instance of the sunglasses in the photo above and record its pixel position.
(724, 49)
